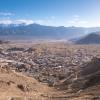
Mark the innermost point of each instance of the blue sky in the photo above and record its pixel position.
(84, 13)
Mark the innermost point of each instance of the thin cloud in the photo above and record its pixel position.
(53, 17)
(5, 22)
(76, 21)
(39, 21)
(48, 21)
(23, 21)
(20, 21)
(6, 14)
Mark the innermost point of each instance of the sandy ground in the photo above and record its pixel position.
(15, 86)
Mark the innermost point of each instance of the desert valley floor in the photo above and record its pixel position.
(49, 71)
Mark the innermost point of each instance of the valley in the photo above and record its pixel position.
(49, 71)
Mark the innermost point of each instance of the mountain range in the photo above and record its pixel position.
(44, 32)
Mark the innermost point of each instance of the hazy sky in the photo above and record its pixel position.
(51, 12)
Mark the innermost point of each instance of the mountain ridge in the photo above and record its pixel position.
(92, 38)
(44, 32)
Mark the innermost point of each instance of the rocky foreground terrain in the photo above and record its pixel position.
(49, 71)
